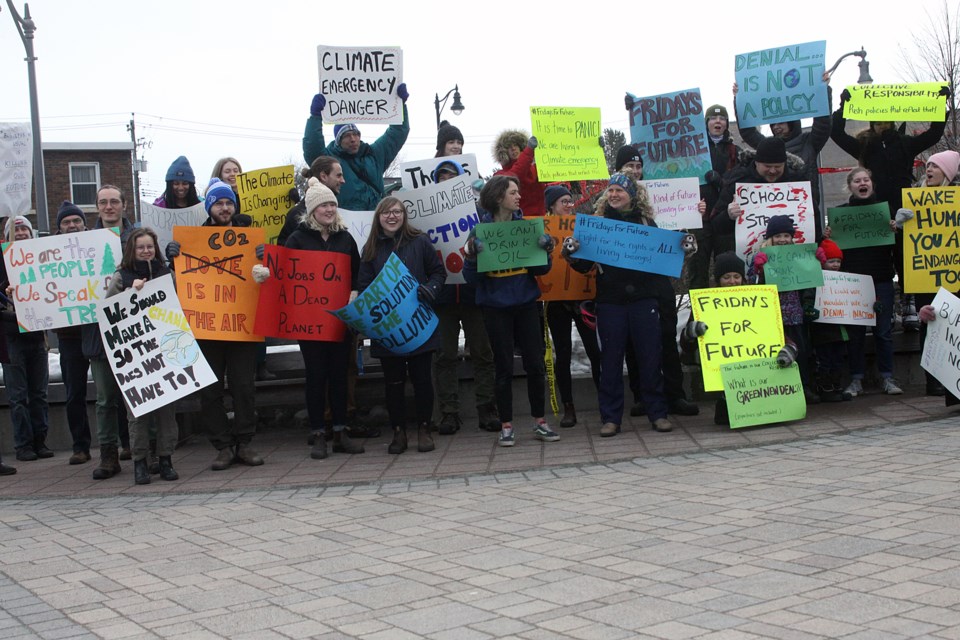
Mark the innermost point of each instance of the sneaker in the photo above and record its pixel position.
(609, 429)
(662, 425)
(890, 387)
(79, 457)
(506, 438)
(854, 389)
(544, 433)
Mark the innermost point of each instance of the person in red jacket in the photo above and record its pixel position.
(514, 151)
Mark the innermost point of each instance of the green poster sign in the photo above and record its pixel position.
(866, 226)
(793, 266)
(760, 392)
(510, 245)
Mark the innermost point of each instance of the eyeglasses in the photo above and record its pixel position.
(392, 213)
(115, 202)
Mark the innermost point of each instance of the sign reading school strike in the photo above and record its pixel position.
(360, 84)
(568, 146)
(264, 195)
(389, 311)
(866, 226)
(917, 102)
(416, 174)
(151, 350)
(759, 202)
(743, 323)
(931, 239)
(562, 282)
(16, 168)
(670, 134)
(941, 349)
(510, 245)
(58, 280)
(793, 266)
(761, 392)
(446, 212)
(846, 298)
(302, 285)
(781, 84)
(675, 203)
(214, 281)
(162, 221)
(628, 245)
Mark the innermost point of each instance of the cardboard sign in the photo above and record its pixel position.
(389, 311)
(628, 245)
(510, 245)
(301, 287)
(568, 143)
(760, 392)
(16, 168)
(675, 203)
(446, 212)
(941, 349)
(358, 224)
(846, 298)
(781, 84)
(360, 84)
(264, 195)
(792, 267)
(671, 135)
(416, 174)
(562, 282)
(760, 202)
(917, 102)
(866, 226)
(931, 239)
(743, 323)
(152, 352)
(214, 281)
(162, 221)
(58, 280)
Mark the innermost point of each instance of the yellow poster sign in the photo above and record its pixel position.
(743, 323)
(569, 143)
(931, 240)
(264, 195)
(562, 282)
(917, 102)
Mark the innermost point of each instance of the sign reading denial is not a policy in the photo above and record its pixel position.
(360, 84)
(781, 84)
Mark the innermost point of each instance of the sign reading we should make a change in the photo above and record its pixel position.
(360, 84)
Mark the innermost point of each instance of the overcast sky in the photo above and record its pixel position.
(209, 79)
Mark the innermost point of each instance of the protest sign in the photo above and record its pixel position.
(916, 102)
(16, 168)
(264, 196)
(866, 226)
(792, 267)
(759, 202)
(568, 147)
(162, 221)
(389, 311)
(214, 281)
(446, 212)
(510, 245)
(941, 349)
(358, 224)
(761, 392)
(781, 84)
(562, 282)
(58, 280)
(931, 239)
(629, 245)
(669, 132)
(302, 285)
(416, 174)
(846, 298)
(152, 352)
(360, 84)
(675, 203)
(743, 323)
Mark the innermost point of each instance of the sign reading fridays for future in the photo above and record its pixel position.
(360, 84)
(781, 84)
(669, 133)
(628, 245)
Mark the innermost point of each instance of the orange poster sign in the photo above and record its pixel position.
(562, 282)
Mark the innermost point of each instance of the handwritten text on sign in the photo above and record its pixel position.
(918, 102)
(941, 349)
(792, 267)
(389, 311)
(16, 168)
(264, 196)
(510, 245)
(675, 203)
(781, 84)
(446, 212)
(214, 282)
(562, 282)
(846, 298)
(162, 221)
(568, 146)
(58, 280)
(761, 392)
(360, 84)
(759, 202)
(866, 226)
(931, 239)
(669, 132)
(416, 174)
(151, 350)
(628, 245)
(302, 285)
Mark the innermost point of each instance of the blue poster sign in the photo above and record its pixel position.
(781, 84)
(629, 245)
(670, 134)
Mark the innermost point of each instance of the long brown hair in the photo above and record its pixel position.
(404, 234)
(129, 258)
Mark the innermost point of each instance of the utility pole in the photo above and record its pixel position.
(132, 128)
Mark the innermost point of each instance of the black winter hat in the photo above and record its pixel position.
(446, 133)
(68, 209)
(771, 151)
(553, 193)
(627, 153)
(728, 262)
(716, 110)
(779, 224)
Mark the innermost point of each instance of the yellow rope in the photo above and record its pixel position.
(548, 360)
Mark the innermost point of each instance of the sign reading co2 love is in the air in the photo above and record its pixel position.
(360, 84)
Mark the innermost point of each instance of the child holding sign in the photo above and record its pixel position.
(830, 340)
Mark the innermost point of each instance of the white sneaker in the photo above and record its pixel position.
(855, 388)
(890, 387)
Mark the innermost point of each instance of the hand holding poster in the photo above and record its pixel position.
(59, 279)
(568, 143)
(846, 298)
(675, 203)
(931, 239)
(162, 221)
(150, 348)
(628, 245)
(917, 102)
(670, 133)
(781, 84)
(264, 196)
(446, 212)
(16, 168)
(301, 287)
(389, 311)
(761, 392)
(416, 174)
(759, 202)
(941, 349)
(866, 226)
(360, 84)
(562, 282)
(792, 267)
(510, 245)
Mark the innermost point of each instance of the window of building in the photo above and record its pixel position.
(84, 182)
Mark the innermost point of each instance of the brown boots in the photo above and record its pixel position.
(109, 462)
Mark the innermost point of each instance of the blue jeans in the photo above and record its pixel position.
(882, 337)
(74, 366)
(26, 377)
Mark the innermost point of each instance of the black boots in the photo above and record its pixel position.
(109, 462)
(343, 444)
(166, 469)
(40, 447)
(424, 438)
(399, 443)
(141, 472)
(569, 415)
(319, 449)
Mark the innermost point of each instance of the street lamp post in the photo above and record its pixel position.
(26, 28)
(438, 104)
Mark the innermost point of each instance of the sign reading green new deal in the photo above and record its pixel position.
(629, 245)
(781, 84)
(510, 245)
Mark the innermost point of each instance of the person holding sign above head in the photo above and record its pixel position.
(514, 151)
(363, 164)
(392, 233)
(511, 313)
(181, 191)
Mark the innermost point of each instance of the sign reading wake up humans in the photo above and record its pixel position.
(781, 84)
(568, 146)
(669, 132)
(931, 240)
(360, 84)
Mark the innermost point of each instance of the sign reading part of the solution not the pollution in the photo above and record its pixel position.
(781, 84)
(917, 102)
(152, 352)
(931, 240)
(58, 280)
(568, 143)
(360, 84)
(761, 392)
(669, 133)
(264, 195)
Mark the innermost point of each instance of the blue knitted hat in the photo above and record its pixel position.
(181, 170)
